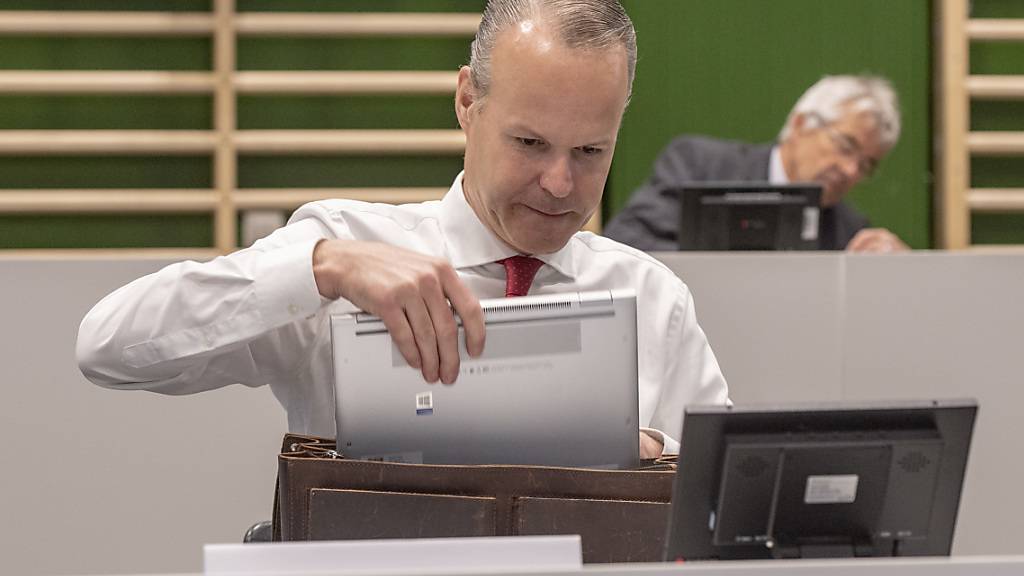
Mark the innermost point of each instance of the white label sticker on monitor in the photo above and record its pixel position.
(838, 489)
(810, 231)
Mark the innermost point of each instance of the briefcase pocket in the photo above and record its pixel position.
(611, 530)
(357, 514)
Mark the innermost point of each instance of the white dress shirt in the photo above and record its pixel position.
(256, 317)
(776, 171)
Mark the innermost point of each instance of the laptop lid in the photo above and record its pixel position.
(556, 385)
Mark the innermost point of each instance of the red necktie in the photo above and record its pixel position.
(519, 273)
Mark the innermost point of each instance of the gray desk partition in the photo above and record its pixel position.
(950, 325)
(97, 481)
(917, 325)
(774, 321)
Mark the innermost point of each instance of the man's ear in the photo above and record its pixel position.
(801, 122)
(465, 97)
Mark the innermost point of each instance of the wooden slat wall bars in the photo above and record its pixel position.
(959, 143)
(255, 57)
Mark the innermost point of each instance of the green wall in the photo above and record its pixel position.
(729, 68)
(734, 68)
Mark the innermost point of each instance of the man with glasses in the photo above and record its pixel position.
(836, 135)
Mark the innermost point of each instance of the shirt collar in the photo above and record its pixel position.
(776, 171)
(471, 243)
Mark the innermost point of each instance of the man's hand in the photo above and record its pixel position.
(877, 240)
(410, 292)
(650, 447)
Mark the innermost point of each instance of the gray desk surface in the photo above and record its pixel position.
(955, 566)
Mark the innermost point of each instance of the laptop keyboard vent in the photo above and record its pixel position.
(529, 307)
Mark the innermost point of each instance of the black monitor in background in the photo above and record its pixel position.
(748, 216)
(825, 480)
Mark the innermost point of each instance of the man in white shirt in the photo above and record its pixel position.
(540, 103)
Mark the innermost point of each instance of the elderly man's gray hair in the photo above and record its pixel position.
(832, 96)
(586, 24)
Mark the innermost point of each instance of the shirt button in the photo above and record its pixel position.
(293, 309)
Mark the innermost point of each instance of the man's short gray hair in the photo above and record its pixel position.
(832, 96)
(585, 24)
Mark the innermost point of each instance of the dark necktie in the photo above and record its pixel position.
(519, 273)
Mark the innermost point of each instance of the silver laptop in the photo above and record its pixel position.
(556, 385)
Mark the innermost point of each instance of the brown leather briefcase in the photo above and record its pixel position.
(621, 515)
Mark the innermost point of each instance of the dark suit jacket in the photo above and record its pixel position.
(650, 220)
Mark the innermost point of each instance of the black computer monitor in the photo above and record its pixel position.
(748, 216)
(832, 480)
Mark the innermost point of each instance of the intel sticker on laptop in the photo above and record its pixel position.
(424, 403)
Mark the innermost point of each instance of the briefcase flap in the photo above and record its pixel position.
(621, 515)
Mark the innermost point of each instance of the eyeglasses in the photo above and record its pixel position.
(848, 148)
